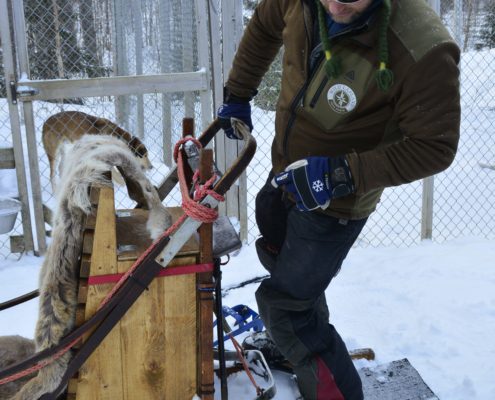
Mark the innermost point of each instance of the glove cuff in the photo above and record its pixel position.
(340, 177)
(230, 98)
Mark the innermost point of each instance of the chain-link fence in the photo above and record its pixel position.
(115, 37)
(69, 39)
(464, 195)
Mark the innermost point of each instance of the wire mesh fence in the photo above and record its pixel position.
(69, 39)
(93, 39)
(464, 195)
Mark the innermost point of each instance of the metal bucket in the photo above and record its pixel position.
(8, 213)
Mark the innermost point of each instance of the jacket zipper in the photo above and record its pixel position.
(317, 94)
(300, 94)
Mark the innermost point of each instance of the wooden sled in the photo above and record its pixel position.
(153, 352)
(153, 338)
(162, 347)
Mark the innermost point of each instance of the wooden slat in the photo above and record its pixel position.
(7, 160)
(101, 376)
(158, 339)
(180, 335)
(205, 298)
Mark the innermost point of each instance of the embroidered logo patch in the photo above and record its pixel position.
(341, 98)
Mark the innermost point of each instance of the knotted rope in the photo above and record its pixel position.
(191, 207)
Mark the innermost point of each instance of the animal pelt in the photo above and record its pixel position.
(14, 349)
(86, 165)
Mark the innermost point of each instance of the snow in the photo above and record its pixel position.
(433, 303)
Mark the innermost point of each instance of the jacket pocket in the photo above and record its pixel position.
(317, 94)
(329, 102)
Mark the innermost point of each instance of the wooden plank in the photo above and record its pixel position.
(158, 339)
(133, 238)
(205, 285)
(100, 378)
(7, 160)
(179, 294)
(114, 86)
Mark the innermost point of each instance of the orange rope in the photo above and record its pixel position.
(240, 355)
(191, 208)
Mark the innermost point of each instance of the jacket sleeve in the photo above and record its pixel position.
(428, 110)
(258, 47)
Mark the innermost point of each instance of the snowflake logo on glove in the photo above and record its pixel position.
(314, 181)
(318, 186)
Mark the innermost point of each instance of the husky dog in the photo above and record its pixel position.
(90, 158)
(69, 126)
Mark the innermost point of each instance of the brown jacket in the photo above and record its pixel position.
(409, 132)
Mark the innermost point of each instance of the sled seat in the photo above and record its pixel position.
(156, 350)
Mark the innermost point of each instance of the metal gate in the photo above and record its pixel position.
(142, 65)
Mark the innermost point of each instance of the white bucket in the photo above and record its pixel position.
(8, 213)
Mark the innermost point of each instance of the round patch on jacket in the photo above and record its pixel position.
(341, 98)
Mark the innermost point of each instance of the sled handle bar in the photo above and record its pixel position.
(233, 173)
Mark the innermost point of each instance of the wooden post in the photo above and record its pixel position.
(206, 288)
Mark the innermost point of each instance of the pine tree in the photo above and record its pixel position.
(487, 32)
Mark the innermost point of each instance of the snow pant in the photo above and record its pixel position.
(293, 307)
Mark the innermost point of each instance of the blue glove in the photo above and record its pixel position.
(241, 110)
(314, 181)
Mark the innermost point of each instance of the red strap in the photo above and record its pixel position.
(169, 271)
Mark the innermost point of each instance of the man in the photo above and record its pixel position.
(369, 99)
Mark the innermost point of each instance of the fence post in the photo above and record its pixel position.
(138, 43)
(202, 32)
(428, 183)
(458, 6)
(34, 170)
(232, 28)
(15, 125)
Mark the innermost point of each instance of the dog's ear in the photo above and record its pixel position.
(138, 146)
(123, 135)
(100, 123)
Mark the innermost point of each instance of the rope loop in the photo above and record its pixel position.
(192, 208)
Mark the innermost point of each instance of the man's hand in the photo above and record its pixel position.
(241, 110)
(314, 181)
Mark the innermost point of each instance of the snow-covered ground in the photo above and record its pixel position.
(432, 303)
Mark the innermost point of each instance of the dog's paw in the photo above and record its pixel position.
(159, 221)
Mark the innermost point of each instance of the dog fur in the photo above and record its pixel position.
(69, 126)
(87, 164)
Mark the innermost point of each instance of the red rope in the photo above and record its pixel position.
(191, 207)
(240, 355)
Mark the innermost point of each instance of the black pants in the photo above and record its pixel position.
(293, 307)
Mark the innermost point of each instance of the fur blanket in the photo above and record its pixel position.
(85, 165)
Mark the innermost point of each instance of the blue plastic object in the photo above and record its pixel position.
(245, 319)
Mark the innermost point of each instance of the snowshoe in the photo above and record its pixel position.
(262, 342)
